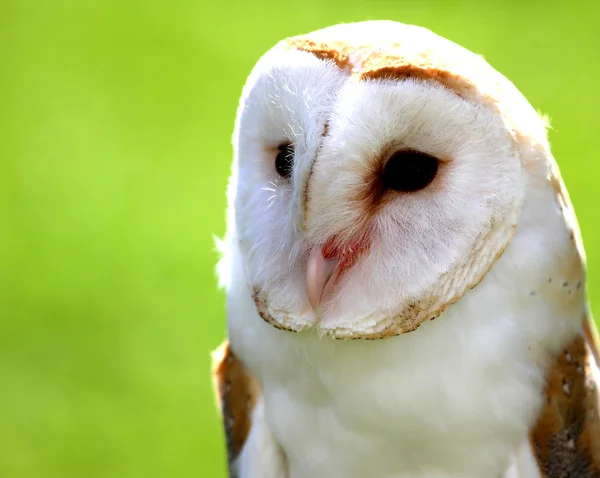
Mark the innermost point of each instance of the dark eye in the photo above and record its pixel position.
(284, 161)
(409, 171)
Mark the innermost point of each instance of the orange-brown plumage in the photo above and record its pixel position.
(237, 393)
(566, 438)
(394, 61)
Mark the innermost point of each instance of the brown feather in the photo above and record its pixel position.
(566, 438)
(393, 61)
(237, 393)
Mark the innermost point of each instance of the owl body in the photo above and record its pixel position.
(457, 402)
(385, 177)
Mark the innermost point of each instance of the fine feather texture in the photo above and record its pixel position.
(242, 411)
(491, 250)
(566, 437)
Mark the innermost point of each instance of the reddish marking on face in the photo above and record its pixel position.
(347, 252)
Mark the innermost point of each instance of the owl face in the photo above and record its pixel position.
(374, 184)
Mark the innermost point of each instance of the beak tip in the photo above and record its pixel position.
(318, 273)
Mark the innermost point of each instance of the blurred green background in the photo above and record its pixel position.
(115, 126)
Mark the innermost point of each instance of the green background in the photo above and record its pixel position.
(115, 126)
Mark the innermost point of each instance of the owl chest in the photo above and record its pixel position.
(418, 407)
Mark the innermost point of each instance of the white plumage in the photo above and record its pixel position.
(490, 249)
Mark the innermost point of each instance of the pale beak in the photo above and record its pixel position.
(320, 276)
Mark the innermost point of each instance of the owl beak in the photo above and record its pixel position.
(320, 274)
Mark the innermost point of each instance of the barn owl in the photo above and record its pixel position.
(385, 177)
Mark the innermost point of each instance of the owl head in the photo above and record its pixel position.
(380, 172)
